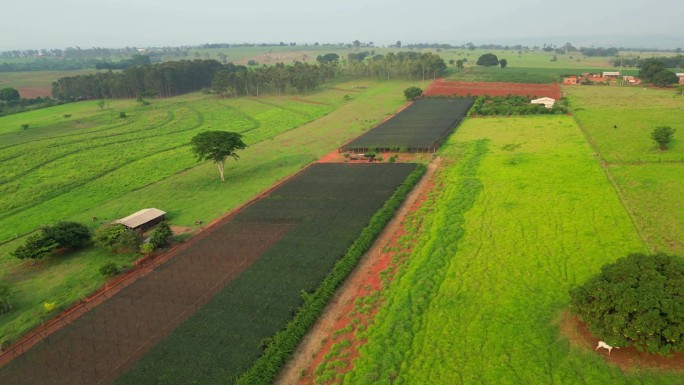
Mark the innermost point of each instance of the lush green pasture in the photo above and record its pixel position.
(169, 179)
(521, 213)
(636, 111)
(653, 193)
(619, 121)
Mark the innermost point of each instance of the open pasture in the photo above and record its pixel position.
(521, 213)
(449, 88)
(191, 194)
(36, 83)
(421, 127)
(618, 121)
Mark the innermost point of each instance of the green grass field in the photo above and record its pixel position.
(618, 121)
(145, 161)
(506, 233)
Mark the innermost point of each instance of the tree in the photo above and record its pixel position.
(36, 246)
(116, 237)
(487, 60)
(9, 94)
(637, 300)
(67, 234)
(459, 64)
(412, 93)
(160, 235)
(217, 146)
(649, 68)
(503, 63)
(663, 136)
(664, 78)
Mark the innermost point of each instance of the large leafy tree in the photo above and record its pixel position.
(217, 146)
(637, 300)
(9, 94)
(51, 237)
(488, 60)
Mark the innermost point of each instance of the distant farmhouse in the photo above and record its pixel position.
(680, 75)
(547, 102)
(143, 219)
(605, 77)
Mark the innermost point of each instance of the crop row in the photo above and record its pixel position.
(331, 205)
(422, 127)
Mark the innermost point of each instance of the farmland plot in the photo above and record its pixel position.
(422, 127)
(448, 88)
(295, 236)
(330, 204)
(522, 214)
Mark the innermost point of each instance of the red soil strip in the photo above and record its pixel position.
(364, 281)
(627, 358)
(447, 88)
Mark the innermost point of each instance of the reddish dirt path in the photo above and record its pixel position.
(443, 87)
(627, 359)
(366, 280)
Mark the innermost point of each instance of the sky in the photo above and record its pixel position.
(35, 24)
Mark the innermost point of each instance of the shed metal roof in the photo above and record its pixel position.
(141, 217)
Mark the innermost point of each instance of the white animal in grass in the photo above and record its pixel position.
(604, 345)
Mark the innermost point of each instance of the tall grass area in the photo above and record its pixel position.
(521, 213)
(283, 134)
(619, 121)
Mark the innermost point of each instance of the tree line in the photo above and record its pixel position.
(163, 79)
(669, 62)
(178, 77)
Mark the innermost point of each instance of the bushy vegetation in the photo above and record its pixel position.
(160, 236)
(636, 301)
(412, 93)
(116, 238)
(71, 235)
(514, 105)
(663, 136)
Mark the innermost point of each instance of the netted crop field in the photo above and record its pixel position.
(421, 127)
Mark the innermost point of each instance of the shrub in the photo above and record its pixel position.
(147, 248)
(636, 301)
(109, 269)
(412, 93)
(160, 236)
(25, 126)
(663, 136)
(5, 298)
(122, 115)
(35, 247)
(49, 306)
(116, 237)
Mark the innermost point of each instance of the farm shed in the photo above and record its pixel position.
(611, 74)
(570, 80)
(547, 102)
(680, 75)
(143, 219)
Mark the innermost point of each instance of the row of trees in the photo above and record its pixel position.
(401, 65)
(165, 79)
(668, 61)
(240, 80)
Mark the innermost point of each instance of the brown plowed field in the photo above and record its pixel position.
(447, 88)
(105, 342)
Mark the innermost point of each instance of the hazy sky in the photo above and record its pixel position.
(141, 23)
